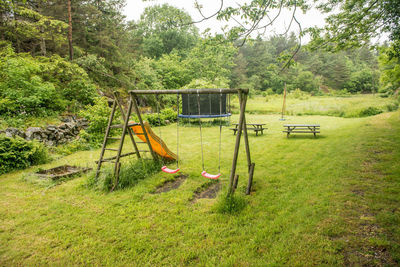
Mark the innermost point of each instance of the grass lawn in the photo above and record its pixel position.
(331, 200)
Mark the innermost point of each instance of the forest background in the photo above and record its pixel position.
(57, 57)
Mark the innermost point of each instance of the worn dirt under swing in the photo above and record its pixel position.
(127, 128)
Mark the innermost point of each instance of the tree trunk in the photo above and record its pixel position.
(71, 51)
(42, 43)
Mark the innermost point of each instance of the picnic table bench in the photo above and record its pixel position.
(256, 127)
(301, 128)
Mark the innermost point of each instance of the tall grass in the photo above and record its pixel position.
(131, 173)
(355, 106)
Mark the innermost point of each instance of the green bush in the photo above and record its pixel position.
(153, 119)
(17, 153)
(97, 115)
(40, 85)
(298, 94)
(269, 92)
(370, 111)
(166, 114)
(392, 107)
(362, 81)
(169, 114)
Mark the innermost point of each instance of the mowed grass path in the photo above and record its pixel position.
(332, 200)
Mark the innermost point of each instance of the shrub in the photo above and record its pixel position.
(156, 120)
(369, 111)
(269, 91)
(40, 85)
(169, 114)
(17, 153)
(97, 115)
(362, 81)
(298, 94)
(392, 107)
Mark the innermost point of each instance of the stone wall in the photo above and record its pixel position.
(51, 135)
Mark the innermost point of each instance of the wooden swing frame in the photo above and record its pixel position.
(242, 94)
(133, 100)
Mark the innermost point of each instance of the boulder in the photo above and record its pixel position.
(31, 132)
(12, 132)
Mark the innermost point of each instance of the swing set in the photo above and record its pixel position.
(194, 105)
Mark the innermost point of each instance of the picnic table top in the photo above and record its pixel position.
(250, 123)
(301, 125)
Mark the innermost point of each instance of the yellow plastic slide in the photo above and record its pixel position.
(156, 143)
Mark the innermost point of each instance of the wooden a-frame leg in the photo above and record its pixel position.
(237, 144)
(134, 99)
(250, 165)
(129, 129)
(121, 144)
(110, 119)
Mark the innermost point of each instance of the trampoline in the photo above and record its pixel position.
(211, 106)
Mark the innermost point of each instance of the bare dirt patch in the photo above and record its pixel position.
(209, 190)
(61, 172)
(362, 253)
(171, 185)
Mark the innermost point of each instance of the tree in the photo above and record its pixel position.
(353, 23)
(211, 59)
(71, 51)
(362, 81)
(165, 28)
(28, 30)
(390, 68)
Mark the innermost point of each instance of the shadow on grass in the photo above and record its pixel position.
(310, 136)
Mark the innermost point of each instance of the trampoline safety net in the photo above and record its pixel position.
(211, 105)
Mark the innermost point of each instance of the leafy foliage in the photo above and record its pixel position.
(390, 78)
(166, 29)
(362, 81)
(17, 153)
(353, 23)
(39, 85)
(29, 29)
(167, 114)
(97, 115)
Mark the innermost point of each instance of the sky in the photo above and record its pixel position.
(134, 8)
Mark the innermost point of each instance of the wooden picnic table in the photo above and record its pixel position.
(301, 128)
(256, 127)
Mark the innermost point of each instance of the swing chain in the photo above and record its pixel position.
(159, 124)
(220, 130)
(201, 134)
(177, 131)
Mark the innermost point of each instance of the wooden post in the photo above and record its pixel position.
(250, 183)
(243, 100)
(235, 183)
(142, 125)
(246, 140)
(250, 166)
(121, 144)
(105, 140)
(284, 103)
(129, 129)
